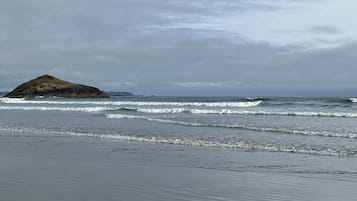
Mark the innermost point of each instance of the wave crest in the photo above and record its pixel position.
(244, 112)
(134, 103)
(237, 126)
(243, 145)
(64, 109)
(353, 100)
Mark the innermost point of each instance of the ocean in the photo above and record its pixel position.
(178, 148)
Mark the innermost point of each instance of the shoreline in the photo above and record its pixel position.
(78, 168)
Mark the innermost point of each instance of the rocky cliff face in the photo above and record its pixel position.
(49, 86)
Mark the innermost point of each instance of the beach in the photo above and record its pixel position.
(65, 149)
(230, 100)
(67, 168)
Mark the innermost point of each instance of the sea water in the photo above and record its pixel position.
(285, 138)
(318, 126)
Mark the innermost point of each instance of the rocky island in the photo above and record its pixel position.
(49, 86)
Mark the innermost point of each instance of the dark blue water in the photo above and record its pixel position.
(315, 126)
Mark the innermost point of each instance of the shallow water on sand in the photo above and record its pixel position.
(77, 168)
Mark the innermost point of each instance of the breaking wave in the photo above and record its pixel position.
(353, 100)
(243, 112)
(64, 109)
(237, 126)
(176, 110)
(242, 145)
(135, 103)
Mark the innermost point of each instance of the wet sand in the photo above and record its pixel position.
(42, 168)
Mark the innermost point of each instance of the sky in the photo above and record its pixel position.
(184, 47)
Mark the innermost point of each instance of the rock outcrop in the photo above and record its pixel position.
(49, 86)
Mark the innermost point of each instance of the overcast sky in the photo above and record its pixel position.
(184, 47)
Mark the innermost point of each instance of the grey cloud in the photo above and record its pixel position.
(325, 29)
(132, 45)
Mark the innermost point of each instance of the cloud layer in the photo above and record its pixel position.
(202, 47)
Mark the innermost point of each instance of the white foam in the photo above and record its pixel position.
(249, 146)
(134, 103)
(125, 116)
(165, 110)
(233, 145)
(162, 110)
(243, 112)
(353, 100)
(237, 126)
(65, 109)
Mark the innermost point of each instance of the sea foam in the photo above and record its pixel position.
(353, 100)
(244, 112)
(243, 145)
(134, 103)
(64, 109)
(176, 110)
(238, 126)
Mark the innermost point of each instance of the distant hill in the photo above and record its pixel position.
(120, 93)
(49, 86)
(3, 93)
